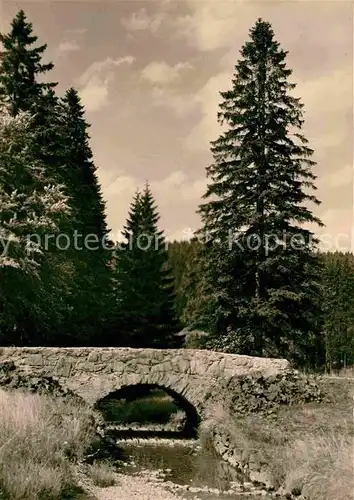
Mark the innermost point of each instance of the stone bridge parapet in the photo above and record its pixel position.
(94, 373)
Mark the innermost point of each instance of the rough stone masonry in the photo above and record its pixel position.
(94, 373)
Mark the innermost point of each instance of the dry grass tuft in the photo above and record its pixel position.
(39, 436)
(347, 372)
(321, 467)
(102, 474)
(307, 449)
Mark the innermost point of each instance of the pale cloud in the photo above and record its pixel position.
(212, 25)
(329, 94)
(118, 193)
(338, 178)
(95, 80)
(180, 104)
(161, 73)
(139, 21)
(105, 175)
(94, 96)
(77, 31)
(208, 99)
(103, 68)
(122, 186)
(70, 43)
(68, 46)
(176, 188)
(339, 231)
(328, 108)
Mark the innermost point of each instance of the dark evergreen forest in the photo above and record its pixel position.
(267, 291)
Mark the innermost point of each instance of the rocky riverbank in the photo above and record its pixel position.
(148, 485)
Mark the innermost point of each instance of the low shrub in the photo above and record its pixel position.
(256, 394)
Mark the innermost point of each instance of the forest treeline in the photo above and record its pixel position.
(336, 299)
(64, 282)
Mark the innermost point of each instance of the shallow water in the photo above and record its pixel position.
(183, 464)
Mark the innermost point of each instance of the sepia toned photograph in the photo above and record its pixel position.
(176, 250)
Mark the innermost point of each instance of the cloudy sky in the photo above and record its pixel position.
(150, 72)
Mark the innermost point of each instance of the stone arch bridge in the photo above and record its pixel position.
(189, 375)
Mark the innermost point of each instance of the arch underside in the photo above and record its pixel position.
(186, 386)
(124, 392)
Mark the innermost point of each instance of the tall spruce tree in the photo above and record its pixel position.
(88, 227)
(22, 91)
(261, 262)
(30, 207)
(144, 285)
(21, 66)
(81, 176)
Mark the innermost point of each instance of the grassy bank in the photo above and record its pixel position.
(306, 448)
(40, 438)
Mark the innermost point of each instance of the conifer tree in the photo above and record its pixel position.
(31, 205)
(144, 286)
(22, 91)
(262, 261)
(89, 232)
(81, 177)
(21, 66)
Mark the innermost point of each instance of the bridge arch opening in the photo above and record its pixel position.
(141, 404)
